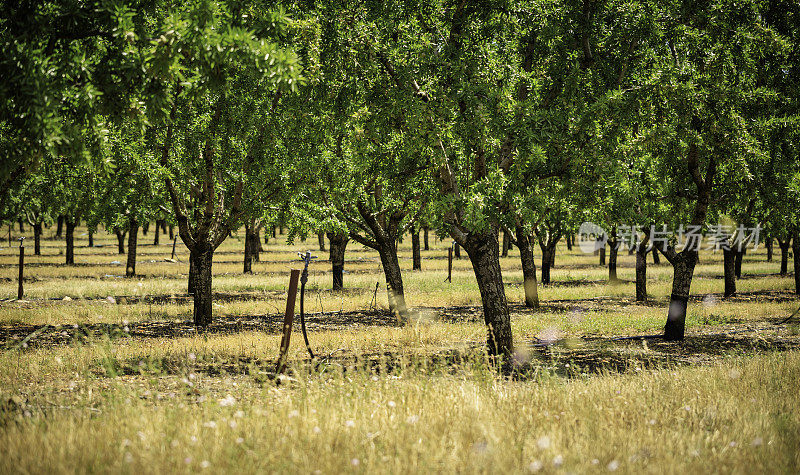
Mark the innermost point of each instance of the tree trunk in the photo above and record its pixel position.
(416, 254)
(21, 226)
(738, 262)
(484, 253)
(248, 249)
(728, 266)
(613, 250)
(91, 239)
(37, 238)
(70, 241)
(506, 244)
(656, 258)
(255, 244)
(133, 231)
(545, 265)
(425, 238)
(457, 250)
(529, 284)
(338, 244)
(321, 239)
(683, 271)
(202, 260)
(768, 245)
(171, 233)
(394, 280)
(145, 228)
(59, 226)
(784, 245)
(157, 232)
(569, 241)
(120, 240)
(641, 272)
(603, 255)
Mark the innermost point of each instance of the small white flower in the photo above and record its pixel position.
(58, 360)
(187, 460)
(558, 460)
(210, 424)
(316, 430)
(174, 443)
(205, 464)
(687, 408)
(239, 414)
(757, 442)
(128, 457)
(595, 462)
(535, 466)
(543, 442)
(228, 400)
(412, 419)
(239, 440)
(192, 356)
(612, 465)
(294, 413)
(652, 422)
(354, 462)
(141, 435)
(391, 404)
(349, 424)
(232, 424)
(732, 444)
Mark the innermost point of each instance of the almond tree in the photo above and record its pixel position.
(222, 75)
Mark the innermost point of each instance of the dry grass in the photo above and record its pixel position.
(420, 398)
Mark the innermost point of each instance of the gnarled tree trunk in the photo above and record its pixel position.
(70, 241)
(425, 238)
(202, 260)
(641, 267)
(728, 266)
(683, 271)
(120, 240)
(784, 245)
(484, 252)
(338, 244)
(394, 279)
(613, 248)
(506, 244)
(248, 249)
(37, 238)
(529, 283)
(59, 225)
(133, 231)
(641, 272)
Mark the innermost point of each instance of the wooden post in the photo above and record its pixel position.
(450, 264)
(174, 241)
(288, 318)
(20, 292)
